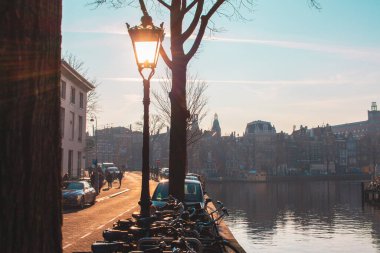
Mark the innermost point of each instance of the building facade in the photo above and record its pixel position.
(74, 88)
(260, 139)
(361, 128)
(119, 145)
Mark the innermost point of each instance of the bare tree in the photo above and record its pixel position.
(30, 141)
(155, 124)
(92, 96)
(199, 13)
(196, 103)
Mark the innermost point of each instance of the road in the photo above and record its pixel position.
(83, 227)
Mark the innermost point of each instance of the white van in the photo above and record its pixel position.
(106, 165)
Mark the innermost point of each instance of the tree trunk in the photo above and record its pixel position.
(177, 151)
(30, 153)
(179, 113)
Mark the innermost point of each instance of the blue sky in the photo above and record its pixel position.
(288, 64)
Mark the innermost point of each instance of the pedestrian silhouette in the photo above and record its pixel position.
(109, 179)
(65, 177)
(120, 177)
(93, 178)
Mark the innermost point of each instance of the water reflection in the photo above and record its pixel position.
(300, 216)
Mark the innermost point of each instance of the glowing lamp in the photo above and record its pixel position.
(146, 40)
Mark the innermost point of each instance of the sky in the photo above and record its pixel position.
(286, 63)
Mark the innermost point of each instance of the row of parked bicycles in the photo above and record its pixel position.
(172, 228)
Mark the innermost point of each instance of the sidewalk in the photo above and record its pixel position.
(115, 190)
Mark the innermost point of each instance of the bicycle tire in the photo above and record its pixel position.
(107, 247)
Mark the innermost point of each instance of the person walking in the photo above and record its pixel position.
(120, 177)
(65, 177)
(101, 179)
(109, 179)
(93, 179)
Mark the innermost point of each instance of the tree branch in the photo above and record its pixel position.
(196, 100)
(165, 4)
(165, 57)
(190, 6)
(202, 28)
(184, 3)
(315, 4)
(194, 22)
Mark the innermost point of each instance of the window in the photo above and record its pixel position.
(80, 128)
(62, 121)
(81, 100)
(72, 95)
(79, 164)
(63, 89)
(72, 124)
(70, 164)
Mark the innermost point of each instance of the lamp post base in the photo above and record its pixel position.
(145, 208)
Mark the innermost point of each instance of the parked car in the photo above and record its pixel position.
(78, 194)
(193, 193)
(164, 173)
(199, 178)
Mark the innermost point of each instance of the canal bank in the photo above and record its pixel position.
(300, 178)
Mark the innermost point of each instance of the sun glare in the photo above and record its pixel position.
(146, 51)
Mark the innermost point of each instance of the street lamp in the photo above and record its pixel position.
(96, 152)
(146, 40)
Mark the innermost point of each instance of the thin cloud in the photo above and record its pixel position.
(332, 81)
(360, 53)
(372, 54)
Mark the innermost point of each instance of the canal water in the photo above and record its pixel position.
(323, 216)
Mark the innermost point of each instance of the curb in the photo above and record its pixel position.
(118, 193)
(112, 195)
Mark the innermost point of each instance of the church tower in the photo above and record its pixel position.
(194, 123)
(374, 106)
(216, 126)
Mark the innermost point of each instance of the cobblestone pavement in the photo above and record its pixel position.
(83, 227)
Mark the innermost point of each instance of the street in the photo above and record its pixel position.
(83, 227)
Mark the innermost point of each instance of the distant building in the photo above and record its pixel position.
(260, 139)
(216, 126)
(74, 88)
(119, 145)
(361, 128)
(259, 153)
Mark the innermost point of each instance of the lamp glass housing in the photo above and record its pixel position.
(147, 53)
(146, 41)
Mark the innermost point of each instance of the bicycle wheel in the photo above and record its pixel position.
(107, 247)
(227, 247)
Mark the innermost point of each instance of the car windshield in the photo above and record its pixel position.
(113, 169)
(72, 186)
(192, 177)
(193, 192)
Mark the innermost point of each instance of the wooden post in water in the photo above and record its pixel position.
(363, 193)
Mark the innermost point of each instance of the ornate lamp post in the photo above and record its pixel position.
(146, 41)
